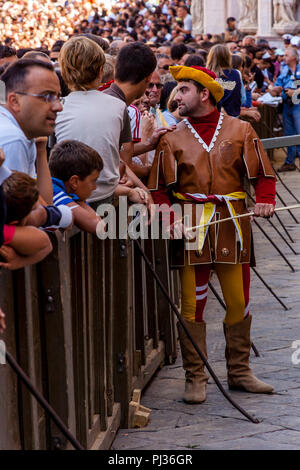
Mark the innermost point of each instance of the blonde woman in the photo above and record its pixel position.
(219, 61)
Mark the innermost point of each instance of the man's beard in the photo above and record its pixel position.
(183, 111)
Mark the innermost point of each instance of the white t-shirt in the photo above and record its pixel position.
(96, 119)
(187, 23)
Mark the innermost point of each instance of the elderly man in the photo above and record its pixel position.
(288, 85)
(203, 164)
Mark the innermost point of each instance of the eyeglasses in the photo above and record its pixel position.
(48, 97)
(164, 67)
(158, 85)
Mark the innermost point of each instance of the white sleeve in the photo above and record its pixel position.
(135, 123)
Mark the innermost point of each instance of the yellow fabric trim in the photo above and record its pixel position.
(162, 119)
(181, 72)
(209, 212)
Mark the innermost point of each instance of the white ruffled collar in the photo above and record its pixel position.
(200, 140)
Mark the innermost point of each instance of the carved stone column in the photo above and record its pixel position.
(214, 16)
(285, 16)
(248, 16)
(265, 18)
(198, 16)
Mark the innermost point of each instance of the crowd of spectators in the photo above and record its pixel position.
(88, 94)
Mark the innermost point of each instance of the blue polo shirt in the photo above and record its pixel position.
(60, 194)
(287, 79)
(20, 152)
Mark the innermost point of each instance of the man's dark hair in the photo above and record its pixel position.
(72, 157)
(15, 75)
(7, 51)
(251, 50)
(21, 193)
(58, 43)
(135, 62)
(178, 51)
(23, 50)
(230, 19)
(194, 59)
(201, 88)
(97, 39)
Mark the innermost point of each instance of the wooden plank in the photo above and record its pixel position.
(108, 295)
(79, 340)
(9, 413)
(98, 337)
(139, 290)
(166, 320)
(54, 276)
(155, 360)
(123, 327)
(90, 298)
(29, 357)
(105, 439)
(151, 295)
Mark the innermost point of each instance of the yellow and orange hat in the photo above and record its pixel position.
(205, 77)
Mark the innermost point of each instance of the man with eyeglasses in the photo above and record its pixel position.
(26, 120)
(32, 103)
(163, 63)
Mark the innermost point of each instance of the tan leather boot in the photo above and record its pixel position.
(195, 377)
(237, 352)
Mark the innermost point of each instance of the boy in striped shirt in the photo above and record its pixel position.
(75, 168)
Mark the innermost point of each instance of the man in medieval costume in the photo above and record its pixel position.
(203, 163)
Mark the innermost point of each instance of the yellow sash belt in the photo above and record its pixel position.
(209, 210)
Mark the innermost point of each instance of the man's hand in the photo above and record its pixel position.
(41, 143)
(253, 114)
(263, 210)
(138, 196)
(289, 92)
(2, 322)
(13, 260)
(157, 133)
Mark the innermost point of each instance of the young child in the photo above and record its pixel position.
(23, 245)
(75, 168)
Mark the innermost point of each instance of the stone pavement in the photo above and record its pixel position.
(215, 424)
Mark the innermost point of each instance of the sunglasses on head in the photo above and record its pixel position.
(158, 85)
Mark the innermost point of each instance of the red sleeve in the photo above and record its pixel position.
(8, 233)
(265, 188)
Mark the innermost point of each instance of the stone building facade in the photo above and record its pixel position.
(264, 18)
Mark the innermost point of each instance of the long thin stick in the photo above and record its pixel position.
(248, 214)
